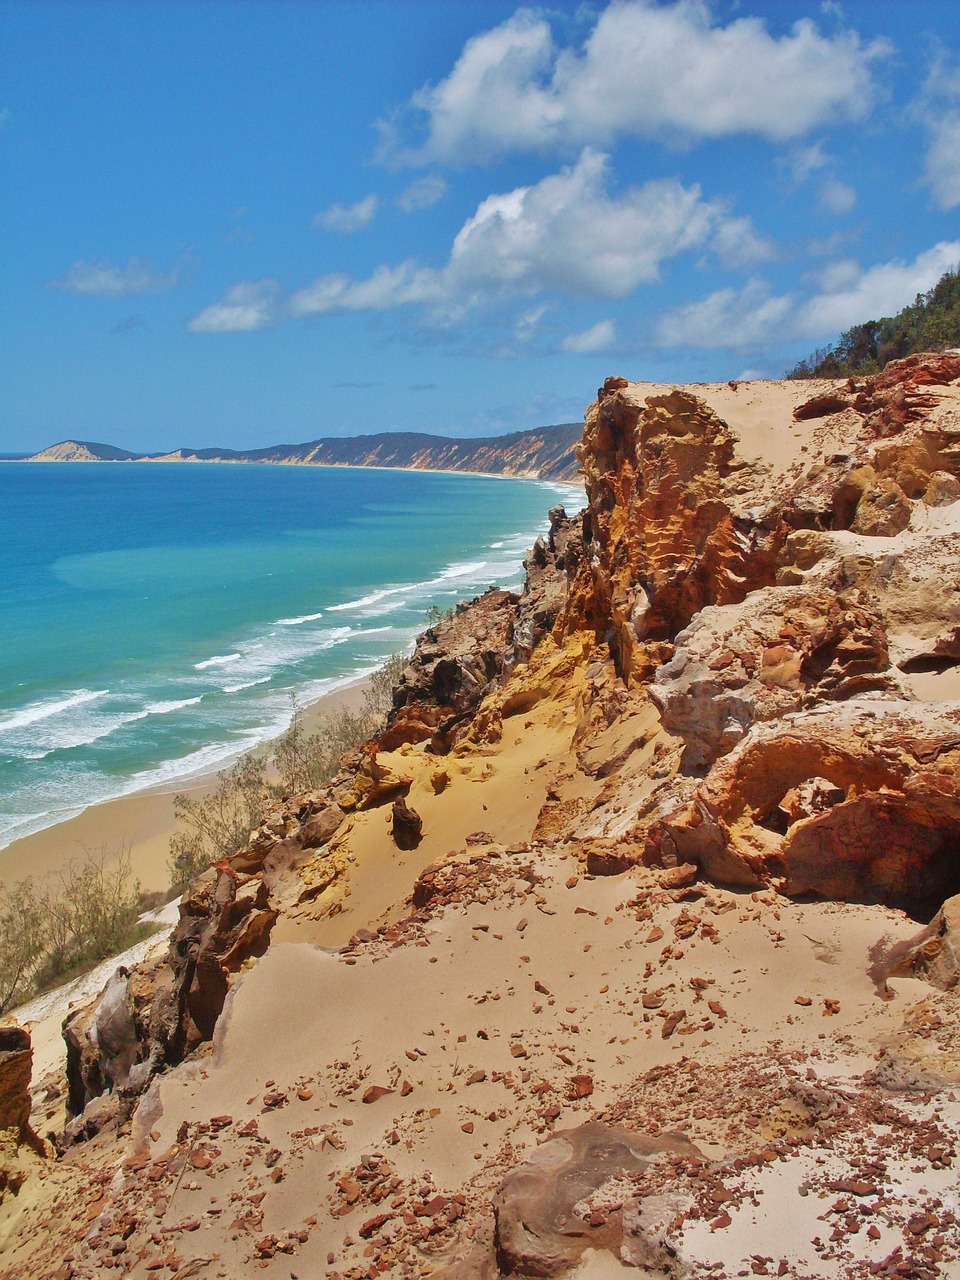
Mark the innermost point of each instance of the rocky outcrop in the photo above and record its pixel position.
(663, 534)
(550, 566)
(858, 802)
(225, 920)
(543, 1217)
(16, 1060)
(782, 649)
(454, 665)
(154, 1016)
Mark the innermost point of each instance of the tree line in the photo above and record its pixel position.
(930, 323)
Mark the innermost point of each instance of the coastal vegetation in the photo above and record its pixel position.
(930, 323)
(216, 825)
(65, 925)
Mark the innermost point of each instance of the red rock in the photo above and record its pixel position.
(375, 1092)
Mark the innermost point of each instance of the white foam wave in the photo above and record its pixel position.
(37, 711)
(219, 660)
(246, 684)
(460, 571)
(365, 601)
(298, 622)
(164, 708)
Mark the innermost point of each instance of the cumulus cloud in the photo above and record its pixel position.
(422, 193)
(249, 305)
(850, 295)
(105, 280)
(599, 337)
(348, 218)
(836, 196)
(566, 233)
(735, 318)
(938, 109)
(754, 317)
(647, 69)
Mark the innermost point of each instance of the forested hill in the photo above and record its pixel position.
(545, 453)
(931, 323)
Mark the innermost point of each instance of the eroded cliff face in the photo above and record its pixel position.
(638, 919)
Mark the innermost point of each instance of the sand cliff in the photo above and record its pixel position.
(630, 947)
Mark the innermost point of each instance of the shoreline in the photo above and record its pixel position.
(142, 821)
(319, 466)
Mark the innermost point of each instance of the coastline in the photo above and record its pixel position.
(143, 821)
(528, 477)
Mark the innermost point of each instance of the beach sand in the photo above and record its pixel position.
(143, 822)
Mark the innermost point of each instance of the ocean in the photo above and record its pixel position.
(158, 619)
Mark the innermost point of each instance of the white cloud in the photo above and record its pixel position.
(422, 193)
(942, 163)
(647, 69)
(387, 288)
(566, 233)
(527, 325)
(598, 337)
(244, 307)
(836, 196)
(738, 318)
(105, 280)
(348, 218)
(754, 317)
(847, 299)
(804, 161)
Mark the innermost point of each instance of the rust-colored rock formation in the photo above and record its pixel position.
(16, 1058)
(664, 534)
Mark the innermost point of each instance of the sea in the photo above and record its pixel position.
(157, 620)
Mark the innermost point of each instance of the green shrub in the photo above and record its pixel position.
(217, 825)
(77, 918)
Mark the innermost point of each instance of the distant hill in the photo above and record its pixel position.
(82, 451)
(931, 323)
(545, 453)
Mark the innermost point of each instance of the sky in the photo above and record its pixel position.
(252, 223)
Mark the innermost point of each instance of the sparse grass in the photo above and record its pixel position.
(68, 924)
(217, 825)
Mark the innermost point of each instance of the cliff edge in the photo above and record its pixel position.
(630, 946)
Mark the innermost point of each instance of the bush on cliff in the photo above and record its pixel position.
(215, 826)
(66, 925)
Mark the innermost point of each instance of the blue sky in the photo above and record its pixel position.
(252, 223)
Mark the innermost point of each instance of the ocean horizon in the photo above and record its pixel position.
(160, 621)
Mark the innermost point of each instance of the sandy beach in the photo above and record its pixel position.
(143, 822)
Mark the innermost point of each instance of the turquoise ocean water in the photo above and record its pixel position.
(155, 619)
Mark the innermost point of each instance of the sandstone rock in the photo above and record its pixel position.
(406, 825)
(375, 782)
(935, 953)
(663, 536)
(320, 827)
(609, 857)
(454, 664)
(779, 650)
(550, 566)
(894, 838)
(537, 1232)
(16, 1061)
(223, 922)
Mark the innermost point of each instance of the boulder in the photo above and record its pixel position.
(16, 1062)
(407, 826)
(538, 1232)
